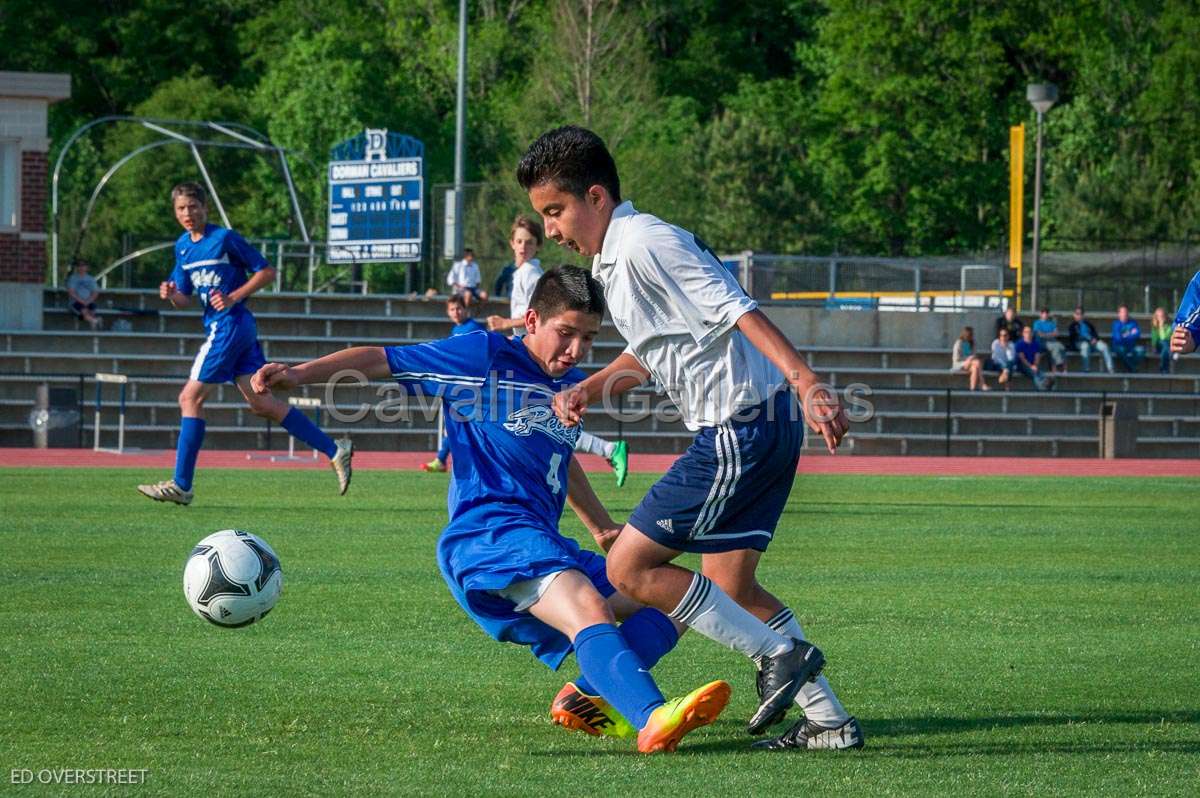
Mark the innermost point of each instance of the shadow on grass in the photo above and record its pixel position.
(882, 733)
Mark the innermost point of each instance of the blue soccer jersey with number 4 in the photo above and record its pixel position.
(509, 457)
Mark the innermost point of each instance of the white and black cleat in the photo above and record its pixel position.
(340, 463)
(167, 491)
(811, 736)
(780, 679)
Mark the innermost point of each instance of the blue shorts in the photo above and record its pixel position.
(491, 547)
(729, 488)
(230, 350)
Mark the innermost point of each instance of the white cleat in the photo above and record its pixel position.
(340, 463)
(166, 491)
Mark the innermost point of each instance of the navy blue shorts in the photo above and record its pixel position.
(729, 488)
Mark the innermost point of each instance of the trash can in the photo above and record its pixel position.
(1118, 429)
(55, 417)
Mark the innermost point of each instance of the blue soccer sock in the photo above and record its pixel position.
(650, 635)
(301, 426)
(191, 438)
(444, 449)
(608, 662)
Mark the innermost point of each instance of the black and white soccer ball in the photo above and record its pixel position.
(232, 578)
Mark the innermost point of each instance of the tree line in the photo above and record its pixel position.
(791, 126)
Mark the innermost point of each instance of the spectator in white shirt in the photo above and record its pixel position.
(1004, 355)
(464, 279)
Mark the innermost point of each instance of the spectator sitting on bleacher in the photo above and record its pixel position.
(1046, 330)
(1004, 355)
(1161, 328)
(83, 292)
(1028, 357)
(963, 358)
(1084, 338)
(1010, 322)
(464, 279)
(1125, 340)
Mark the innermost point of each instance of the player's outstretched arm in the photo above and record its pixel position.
(616, 378)
(587, 506)
(822, 409)
(367, 361)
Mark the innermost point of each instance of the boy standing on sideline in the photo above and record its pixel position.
(732, 374)
(525, 241)
(212, 263)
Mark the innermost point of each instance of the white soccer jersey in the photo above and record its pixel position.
(524, 281)
(677, 306)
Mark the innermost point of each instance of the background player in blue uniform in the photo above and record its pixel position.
(219, 267)
(501, 554)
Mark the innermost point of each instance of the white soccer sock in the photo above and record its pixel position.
(711, 612)
(815, 698)
(590, 444)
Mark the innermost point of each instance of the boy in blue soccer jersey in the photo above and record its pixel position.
(1187, 319)
(739, 385)
(213, 264)
(501, 554)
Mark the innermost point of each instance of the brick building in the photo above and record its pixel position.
(24, 192)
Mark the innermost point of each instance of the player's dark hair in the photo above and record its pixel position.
(529, 225)
(567, 288)
(192, 190)
(456, 299)
(573, 159)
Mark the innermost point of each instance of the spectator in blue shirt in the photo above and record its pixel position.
(1046, 330)
(1126, 336)
(1028, 355)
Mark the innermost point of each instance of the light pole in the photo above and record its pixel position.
(460, 127)
(1042, 97)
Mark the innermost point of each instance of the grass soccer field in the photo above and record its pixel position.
(994, 635)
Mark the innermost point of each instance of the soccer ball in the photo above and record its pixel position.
(232, 578)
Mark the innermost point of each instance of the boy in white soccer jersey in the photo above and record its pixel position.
(218, 267)
(525, 240)
(736, 380)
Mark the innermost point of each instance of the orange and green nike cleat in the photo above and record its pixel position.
(669, 723)
(588, 713)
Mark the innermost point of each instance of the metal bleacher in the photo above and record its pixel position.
(917, 405)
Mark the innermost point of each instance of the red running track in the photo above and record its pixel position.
(644, 463)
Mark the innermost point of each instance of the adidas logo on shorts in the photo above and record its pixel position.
(667, 525)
